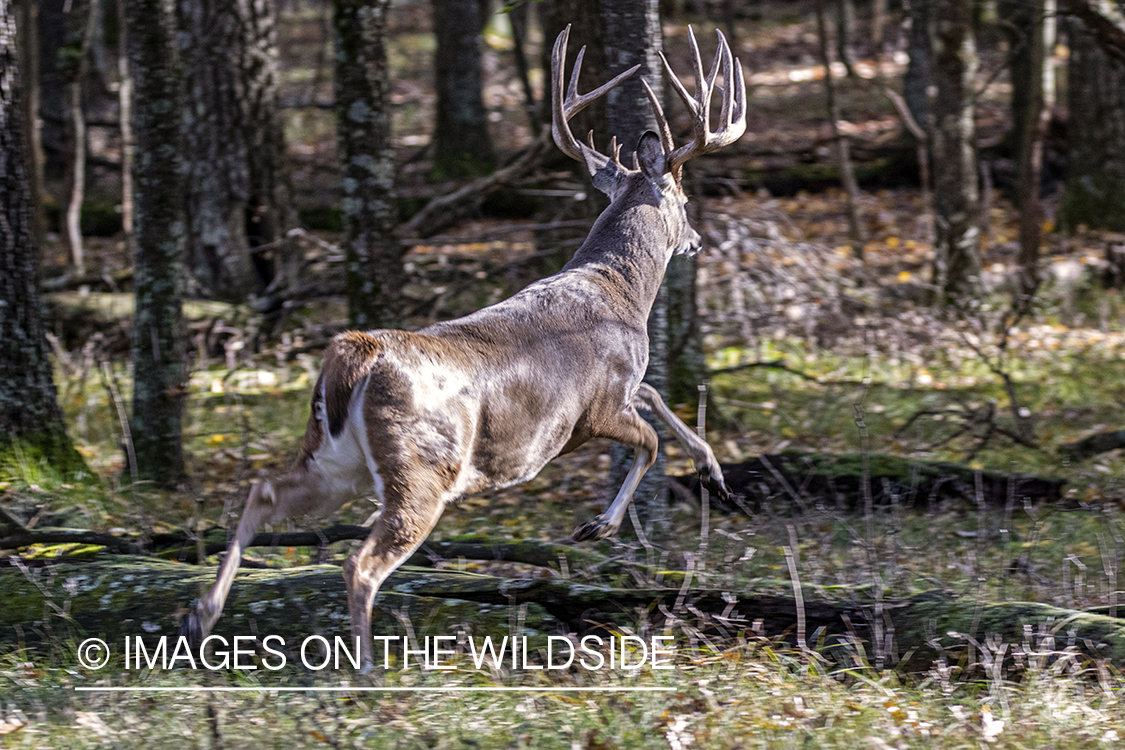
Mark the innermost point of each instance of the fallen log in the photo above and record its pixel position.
(809, 480)
(181, 547)
(1090, 446)
(791, 479)
(119, 597)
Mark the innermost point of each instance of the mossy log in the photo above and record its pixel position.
(809, 480)
(1038, 630)
(115, 597)
(1093, 445)
(177, 546)
(112, 598)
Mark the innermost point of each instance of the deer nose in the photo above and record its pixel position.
(694, 241)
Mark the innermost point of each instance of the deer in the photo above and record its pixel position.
(419, 419)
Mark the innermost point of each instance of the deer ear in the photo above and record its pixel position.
(603, 172)
(650, 156)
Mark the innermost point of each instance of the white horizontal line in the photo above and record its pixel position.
(338, 689)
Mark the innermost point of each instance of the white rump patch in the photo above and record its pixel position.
(345, 462)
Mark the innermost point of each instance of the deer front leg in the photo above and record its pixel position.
(261, 508)
(635, 432)
(710, 473)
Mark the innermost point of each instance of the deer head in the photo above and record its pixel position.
(657, 172)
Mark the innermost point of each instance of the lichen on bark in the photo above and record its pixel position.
(956, 195)
(158, 351)
(31, 423)
(373, 260)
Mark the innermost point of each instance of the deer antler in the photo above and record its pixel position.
(732, 116)
(562, 110)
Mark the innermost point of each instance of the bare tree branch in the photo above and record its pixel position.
(1103, 19)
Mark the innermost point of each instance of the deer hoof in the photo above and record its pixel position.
(713, 481)
(597, 528)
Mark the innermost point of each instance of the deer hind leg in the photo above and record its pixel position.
(402, 527)
(269, 502)
(710, 473)
(633, 431)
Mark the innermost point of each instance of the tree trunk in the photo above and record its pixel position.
(916, 81)
(956, 195)
(29, 64)
(687, 369)
(845, 33)
(31, 423)
(374, 269)
(125, 116)
(520, 17)
(1036, 116)
(1094, 194)
(1019, 18)
(271, 212)
(462, 144)
(158, 351)
(843, 157)
(587, 30)
(878, 25)
(633, 36)
(80, 18)
(238, 193)
(53, 108)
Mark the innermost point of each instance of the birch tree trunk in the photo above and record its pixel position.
(73, 56)
(158, 351)
(375, 274)
(125, 114)
(30, 418)
(956, 195)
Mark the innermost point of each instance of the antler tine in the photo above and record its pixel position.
(575, 72)
(666, 141)
(728, 70)
(564, 139)
(732, 118)
(615, 151)
(562, 110)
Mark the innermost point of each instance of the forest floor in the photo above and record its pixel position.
(836, 356)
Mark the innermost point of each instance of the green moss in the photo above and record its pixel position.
(118, 597)
(33, 458)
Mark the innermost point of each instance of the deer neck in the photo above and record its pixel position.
(632, 242)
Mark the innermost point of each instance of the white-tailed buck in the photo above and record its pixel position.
(420, 419)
